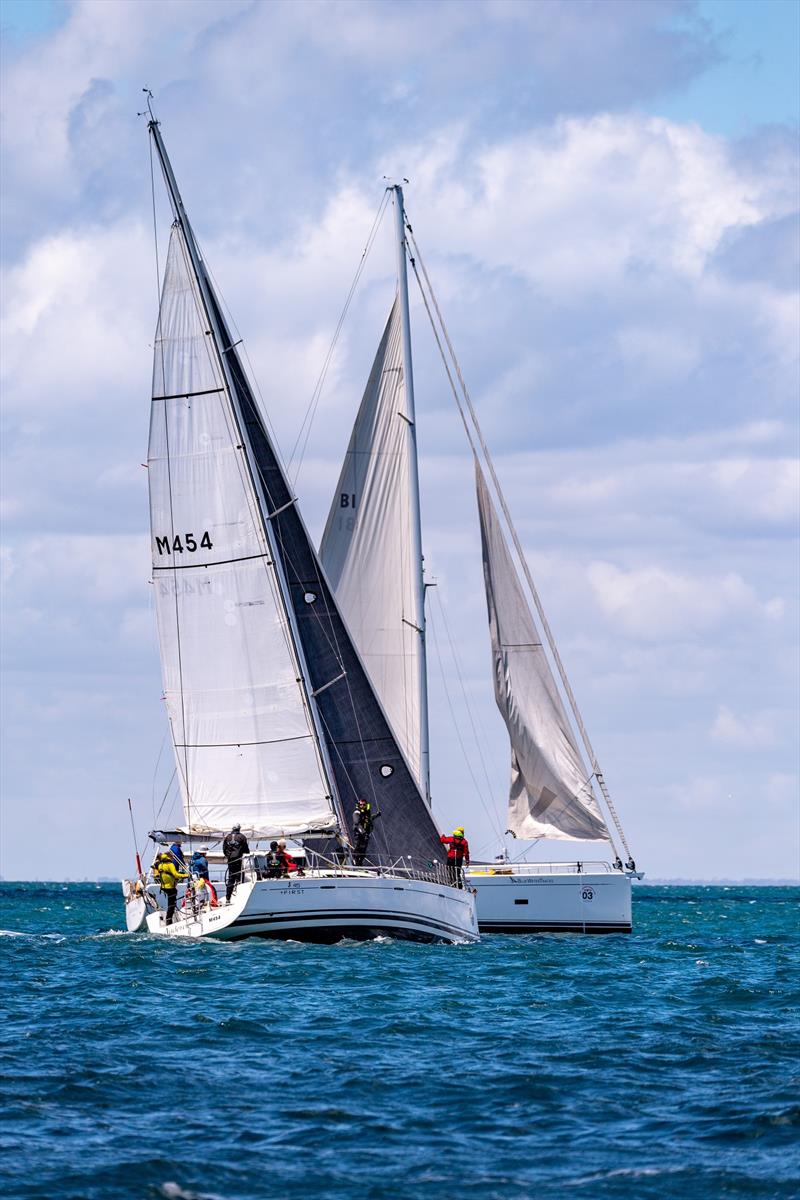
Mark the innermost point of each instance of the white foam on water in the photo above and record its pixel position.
(174, 1191)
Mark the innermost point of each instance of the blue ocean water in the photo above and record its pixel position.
(661, 1064)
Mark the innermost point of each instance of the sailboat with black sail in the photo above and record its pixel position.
(275, 723)
(371, 552)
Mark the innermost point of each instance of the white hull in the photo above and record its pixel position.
(328, 906)
(137, 905)
(545, 899)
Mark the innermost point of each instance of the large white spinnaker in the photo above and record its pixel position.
(242, 731)
(551, 794)
(367, 548)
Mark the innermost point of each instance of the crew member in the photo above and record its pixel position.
(198, 864)
(198, 869)
(457, 855)
(288, 861)
(176, 854)
(234, 847)
(276, 862)
(168, 875)
(363, 821)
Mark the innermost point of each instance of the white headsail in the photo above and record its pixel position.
(551, 794)
(367, 548)
(243, 735)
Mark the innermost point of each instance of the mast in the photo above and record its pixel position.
(418, 622)
(220, 339)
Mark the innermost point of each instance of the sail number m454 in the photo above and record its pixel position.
(189, 542)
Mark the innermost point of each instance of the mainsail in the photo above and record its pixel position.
(233, 653)
(243, 734)
(551, 794)
(367, 548)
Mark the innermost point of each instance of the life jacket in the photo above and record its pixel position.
(199, 865)
(457, 847)
(234, 846)
(362, 820)
(167, 875)
(275, 863)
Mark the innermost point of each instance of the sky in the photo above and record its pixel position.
(606, 197)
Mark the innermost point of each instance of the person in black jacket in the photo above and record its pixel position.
(234, 847)
(363, 821)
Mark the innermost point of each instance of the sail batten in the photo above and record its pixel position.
(551, 789)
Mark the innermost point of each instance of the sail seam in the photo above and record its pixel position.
(300, 737)
(222, 562)
(189, 395)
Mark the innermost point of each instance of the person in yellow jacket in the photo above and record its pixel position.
(168, 876)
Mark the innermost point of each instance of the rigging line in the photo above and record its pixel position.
(490, 813)
(475, 733)
(156, 815)
(311, 410)
(178, 645)
(520, 552)
(155, 772)
(238, 341)
(155, 225)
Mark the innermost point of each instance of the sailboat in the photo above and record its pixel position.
(275, 723)
(371, 551)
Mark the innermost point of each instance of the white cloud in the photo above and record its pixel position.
(78, 319)
(651, 602)
(84, 570)
(753, 732)
(637, 385)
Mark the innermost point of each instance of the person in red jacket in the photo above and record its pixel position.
(457, 855)
(288, 862)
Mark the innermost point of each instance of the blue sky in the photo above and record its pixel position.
(606, 194)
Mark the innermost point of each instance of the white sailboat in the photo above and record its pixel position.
(375, 563)
(274, 720)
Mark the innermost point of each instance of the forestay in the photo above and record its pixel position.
(551, 794)
(367, 548)
(242, 731)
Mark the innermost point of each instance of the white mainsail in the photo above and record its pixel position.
(551, 794)
(367, 548)
(243, 735)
